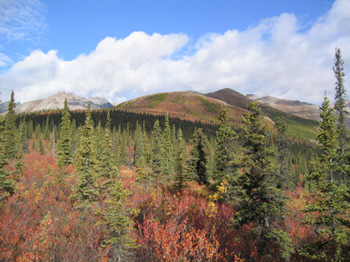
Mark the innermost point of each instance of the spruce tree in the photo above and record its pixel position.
(138, 145)
(340, 93)
(282, 146)
(41, 146)
(118, 224)
(7, 184)
(167, 151)
(10, 129)
(38, 132)
(224, 158)
(123, 149)
(22, 141)
(30, 129)
(85, 189)
(64, 150)
(199, 154)
(156, 149)
(108, 165)
(47, 130)
(145, 146)
(328, 212)
(99, 135)
(74, 139)
(181, 159)
(21, 149)
(260, 202)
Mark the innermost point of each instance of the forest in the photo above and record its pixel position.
(109, 185)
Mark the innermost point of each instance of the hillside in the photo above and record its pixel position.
(184, 105)
(194, 106)
(297, 126)
(292, 107)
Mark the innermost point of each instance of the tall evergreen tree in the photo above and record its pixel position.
(156, 149)
(99, 135)
(181, 167)
(261, 202)
(47, 130)
(329, 210)
(41, 146)
(199, 157)
(118, 224)
(340, 93)
(10, 129)
(108, 164)
(224, 158)
(74, 139)
(30, 129)
(167, 151)
(7, 184)
(138, 145)
(22, 141)
(21, 149)
(85, 190)
(64, 150)
(282, 145)
(38, 131)
(145, 146)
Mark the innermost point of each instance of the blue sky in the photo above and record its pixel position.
(124, 49)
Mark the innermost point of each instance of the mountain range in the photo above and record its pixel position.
(191, 105)
(195, 106)
(56, 101)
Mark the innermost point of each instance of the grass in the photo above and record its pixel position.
(176, 100)
(297, 127)
(126, 103)
(212, 108)
(156, 99)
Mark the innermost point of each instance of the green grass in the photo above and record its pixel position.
(176, 100)
(297, 127)
(126, 103)
(156, 99)
(212, 108)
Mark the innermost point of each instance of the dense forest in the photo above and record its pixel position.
(109, 185)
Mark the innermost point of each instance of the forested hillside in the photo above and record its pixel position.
(110, 185)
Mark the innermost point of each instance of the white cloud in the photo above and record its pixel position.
(273, 58)
(21, 20)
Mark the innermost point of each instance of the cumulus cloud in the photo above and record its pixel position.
(274, 58)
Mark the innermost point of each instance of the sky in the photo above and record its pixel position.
(123, 49)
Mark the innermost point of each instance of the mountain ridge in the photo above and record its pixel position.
(56, 101)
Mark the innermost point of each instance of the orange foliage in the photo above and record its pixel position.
(40, 223)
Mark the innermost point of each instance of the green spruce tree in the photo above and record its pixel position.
(156, 148)
(199, 157)
(282, 145)
(10, 129)
(47, 130)
(167, 152)
(260, 202)
(85, 189)
(64, 150)
(224, 158)
(340, 93)
(7, 184)
(328, 212)
(108, 169)
(181, 160)
(118, 225)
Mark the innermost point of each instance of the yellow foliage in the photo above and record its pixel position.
(222, 189)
